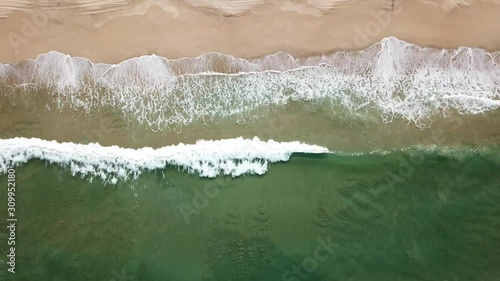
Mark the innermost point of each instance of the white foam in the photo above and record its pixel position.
(208, 158)
(393, 78)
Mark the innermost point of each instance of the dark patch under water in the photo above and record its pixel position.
(408, 216)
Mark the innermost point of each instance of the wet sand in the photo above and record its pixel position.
(112, 31)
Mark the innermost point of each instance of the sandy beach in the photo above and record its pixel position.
(215, 140)
(112, 31)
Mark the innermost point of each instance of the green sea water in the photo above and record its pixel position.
(408, 191)
(405, 215)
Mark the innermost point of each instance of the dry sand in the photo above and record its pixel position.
(114, 30)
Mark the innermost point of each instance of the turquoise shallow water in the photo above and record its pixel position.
(405, 215)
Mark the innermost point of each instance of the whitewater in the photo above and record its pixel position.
(208, 158)
(390, 80)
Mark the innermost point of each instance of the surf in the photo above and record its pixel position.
(207, 158)
(392, 79)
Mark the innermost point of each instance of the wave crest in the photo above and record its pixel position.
(208, 158)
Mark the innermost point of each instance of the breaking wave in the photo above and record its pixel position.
(208, 158)
(392, 79)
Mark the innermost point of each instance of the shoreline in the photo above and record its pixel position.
(172, 29)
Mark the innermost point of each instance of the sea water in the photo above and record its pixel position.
(382, 164)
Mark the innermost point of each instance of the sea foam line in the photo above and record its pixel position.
(392, 79)
(208, 158)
